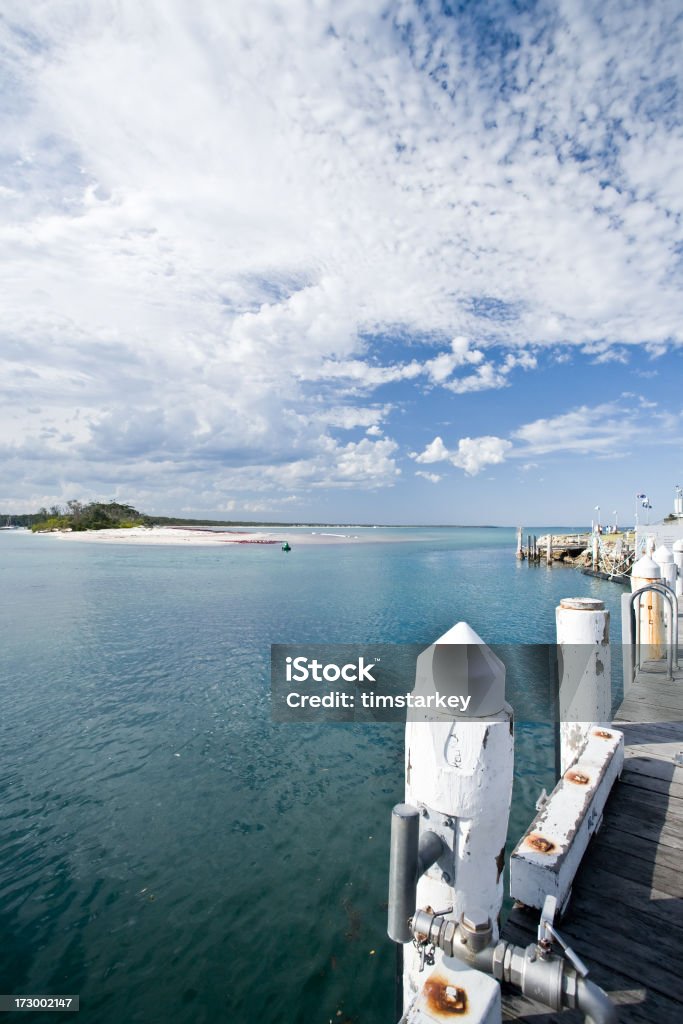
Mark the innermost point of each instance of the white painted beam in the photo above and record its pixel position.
(546, 858)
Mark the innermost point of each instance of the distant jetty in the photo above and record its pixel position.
(607, 555)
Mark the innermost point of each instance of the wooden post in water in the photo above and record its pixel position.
(458, 773)
(549, 550)
(585, 683)
(520, 543)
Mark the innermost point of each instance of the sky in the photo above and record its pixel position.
(341, 260)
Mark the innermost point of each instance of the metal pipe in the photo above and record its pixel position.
(410, 855)
(403, 861)
(538, 974)
(671, 606)
(594, 1003)
(429, 850)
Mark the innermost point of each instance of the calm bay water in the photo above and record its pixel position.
(166, 850)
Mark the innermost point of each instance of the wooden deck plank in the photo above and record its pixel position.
(662, 734)
(636, 712)
(651, 784)
(634, 893)
(636, 1004)
(654, 767)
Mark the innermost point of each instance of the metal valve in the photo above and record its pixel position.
(547, 932)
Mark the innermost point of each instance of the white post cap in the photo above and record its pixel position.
(461, 664)
(646, 569)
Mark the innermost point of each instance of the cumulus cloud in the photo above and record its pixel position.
(213, 211)
(472, 453)
(433, 478)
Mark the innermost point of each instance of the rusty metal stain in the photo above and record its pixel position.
(540, 844)
(603, 734)
(443, 997)
(579, 778)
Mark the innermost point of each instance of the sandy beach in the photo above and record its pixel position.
(206, 536)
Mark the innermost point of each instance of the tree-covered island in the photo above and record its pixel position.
(95, 515)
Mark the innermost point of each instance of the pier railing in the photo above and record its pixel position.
(646, 627)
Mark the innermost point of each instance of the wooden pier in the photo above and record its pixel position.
(625, 917)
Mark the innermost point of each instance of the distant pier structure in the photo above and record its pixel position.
(551, 548)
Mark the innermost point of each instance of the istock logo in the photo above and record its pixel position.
(299, 670)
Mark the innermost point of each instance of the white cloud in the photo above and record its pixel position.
(436, 451)
(597, 429)
(472, 453)
(476, 452)
(432, 477)
(442, 366)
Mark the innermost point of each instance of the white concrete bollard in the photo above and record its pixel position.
(650, 622)
(585, 684)
(678, 560)
(459, 774)
(664, 558)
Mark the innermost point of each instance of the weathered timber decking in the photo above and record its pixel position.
(625, 918)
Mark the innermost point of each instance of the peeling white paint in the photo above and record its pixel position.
(459, 773)
(547, 857)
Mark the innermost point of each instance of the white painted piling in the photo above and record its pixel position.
(520, 542)
(678, 561)
(595, 560)
(549, 550)
(650, 622)
(459, 774)
(664, 558)
(585, 680)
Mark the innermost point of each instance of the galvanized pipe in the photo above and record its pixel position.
(671, 606)
(411, 854)
(429, 849)
(403, 871)
(594, 1003)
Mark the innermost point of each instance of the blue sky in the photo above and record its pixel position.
(409, 262)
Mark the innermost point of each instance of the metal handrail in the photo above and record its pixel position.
(672, 646)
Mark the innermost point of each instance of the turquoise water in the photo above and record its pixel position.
(167, 851)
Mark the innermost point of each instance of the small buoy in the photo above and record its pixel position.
(286, 547)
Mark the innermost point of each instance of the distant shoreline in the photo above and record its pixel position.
(266, 534)
(194, 536)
